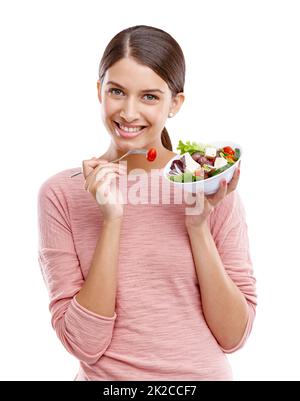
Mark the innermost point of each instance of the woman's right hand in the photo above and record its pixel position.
(102, 181)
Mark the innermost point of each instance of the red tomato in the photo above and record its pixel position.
(228, 150)
(151, 154)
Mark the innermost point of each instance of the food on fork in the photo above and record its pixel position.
(151, 155)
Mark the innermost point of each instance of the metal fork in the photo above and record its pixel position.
(130, 152)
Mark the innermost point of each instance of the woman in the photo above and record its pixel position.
(143, 290)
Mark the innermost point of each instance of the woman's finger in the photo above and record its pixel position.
(219, 195)
(234, 181)
(88, 166)
(102, 168)
(100, 174)
(113, 166)
(103, 188)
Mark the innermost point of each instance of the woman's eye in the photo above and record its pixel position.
(153, 97)
(114, 90)
(117, 92)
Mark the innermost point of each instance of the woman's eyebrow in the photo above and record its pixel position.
(145, 90)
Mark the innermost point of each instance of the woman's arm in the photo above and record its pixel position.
(217, 230)
(98, 293)
(224, 306)
(83, 332)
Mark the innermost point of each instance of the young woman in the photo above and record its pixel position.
(143, 290)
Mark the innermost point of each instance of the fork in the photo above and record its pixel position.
(130, 152)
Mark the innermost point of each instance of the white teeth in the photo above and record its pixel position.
(130, 129)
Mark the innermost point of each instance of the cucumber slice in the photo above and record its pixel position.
(176, 178)
(220, 170)
(187, 177)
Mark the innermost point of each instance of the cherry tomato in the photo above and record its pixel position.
(151, 154)
(228, 150)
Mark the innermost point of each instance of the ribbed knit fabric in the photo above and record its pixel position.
(158, 331)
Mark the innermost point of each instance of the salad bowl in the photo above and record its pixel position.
(202, 167)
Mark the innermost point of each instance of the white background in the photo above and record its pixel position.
(242, 84)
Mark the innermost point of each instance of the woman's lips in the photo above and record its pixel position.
(126, 134)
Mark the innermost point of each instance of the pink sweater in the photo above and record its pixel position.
(158, 331)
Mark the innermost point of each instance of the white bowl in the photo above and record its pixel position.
(209, 185)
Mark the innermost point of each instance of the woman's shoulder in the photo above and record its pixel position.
(61, 182)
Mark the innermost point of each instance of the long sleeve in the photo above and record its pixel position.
(83, 333)
(230, 232)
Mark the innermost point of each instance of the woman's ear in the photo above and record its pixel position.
(177, 102)
(99, 91)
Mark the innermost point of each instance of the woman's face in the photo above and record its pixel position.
(133, 95)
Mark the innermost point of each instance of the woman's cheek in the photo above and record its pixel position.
(109, 107)
(155, 116)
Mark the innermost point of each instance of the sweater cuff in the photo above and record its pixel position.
(86, 334)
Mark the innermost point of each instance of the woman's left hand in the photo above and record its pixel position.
(209, 202)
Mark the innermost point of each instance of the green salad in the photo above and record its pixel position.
(198, 161)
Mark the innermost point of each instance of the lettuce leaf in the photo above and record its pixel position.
(191, 147)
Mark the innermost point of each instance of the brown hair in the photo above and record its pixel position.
(154, 48)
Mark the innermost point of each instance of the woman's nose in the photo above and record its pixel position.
(130, 110)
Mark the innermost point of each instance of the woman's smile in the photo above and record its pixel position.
(126, 132)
